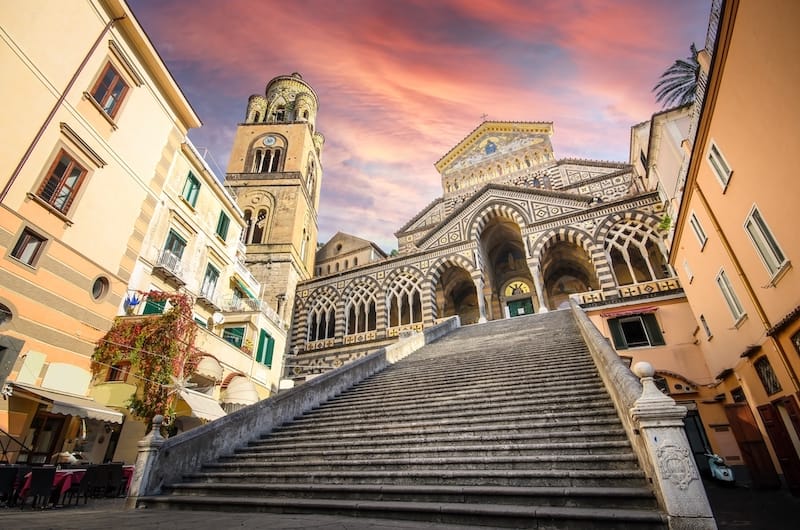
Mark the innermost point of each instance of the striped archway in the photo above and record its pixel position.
(435, 274)
(495, 210)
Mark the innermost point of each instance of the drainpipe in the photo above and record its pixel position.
(762, 315)
(58, 104)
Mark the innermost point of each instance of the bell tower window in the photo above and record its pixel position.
(280, 113)
(266, 160)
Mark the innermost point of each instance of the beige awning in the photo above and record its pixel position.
(73, 405)
(203, 406)
(240, 390)
(209, 367)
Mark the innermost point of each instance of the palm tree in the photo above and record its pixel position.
(677, 84)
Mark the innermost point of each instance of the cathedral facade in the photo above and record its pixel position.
(515, 231)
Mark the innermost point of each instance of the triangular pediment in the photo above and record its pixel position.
(495, 139)
(532, 205)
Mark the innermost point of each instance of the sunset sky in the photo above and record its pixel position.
(400, 82)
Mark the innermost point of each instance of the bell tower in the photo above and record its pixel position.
(276, 174)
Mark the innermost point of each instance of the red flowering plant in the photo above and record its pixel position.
(160, 349)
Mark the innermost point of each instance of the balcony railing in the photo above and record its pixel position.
(169, 265)
(631, 291)
(234, 304)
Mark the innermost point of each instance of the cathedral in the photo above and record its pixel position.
(515, 231)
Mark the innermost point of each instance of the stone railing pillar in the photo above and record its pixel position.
(149, 446)
(478, 282)
(676, 479)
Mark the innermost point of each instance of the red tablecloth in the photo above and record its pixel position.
(65, 478)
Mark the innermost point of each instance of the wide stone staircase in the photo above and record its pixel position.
(503, 424)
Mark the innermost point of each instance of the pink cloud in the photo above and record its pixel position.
(400, 83)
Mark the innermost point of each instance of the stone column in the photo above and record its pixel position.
(537, 285)
(149, 446)
(478, 281)
(676, 480)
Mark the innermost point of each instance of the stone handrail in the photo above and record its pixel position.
(163, 461)
(654, 424)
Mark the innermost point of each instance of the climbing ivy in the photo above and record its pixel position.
(160, 349)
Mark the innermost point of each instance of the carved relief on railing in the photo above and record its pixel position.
(589, 297)
(658, 286)
(320, 344)
(360, 337)
(395, 331)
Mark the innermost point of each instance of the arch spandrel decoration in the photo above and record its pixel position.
(635, 248)
(403, 289)
(361, 299)
(321, 318)
(452, 260)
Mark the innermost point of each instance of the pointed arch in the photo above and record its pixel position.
(492, 211)
(404, 288)
(635, 248)
(361, 305)
(322, 314)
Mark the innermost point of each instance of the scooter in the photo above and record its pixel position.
(719, 469)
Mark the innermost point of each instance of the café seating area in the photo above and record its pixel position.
(40, 487)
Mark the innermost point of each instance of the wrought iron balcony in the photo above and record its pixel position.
(168, 266)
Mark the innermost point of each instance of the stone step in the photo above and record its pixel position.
(631, 497)
(461, 462)
(451, 449)
(505, 516)
(394, 443)
(437, 476)
(528, 407)
(464, 421)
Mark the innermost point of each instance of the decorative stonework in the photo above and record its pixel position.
(673, 460)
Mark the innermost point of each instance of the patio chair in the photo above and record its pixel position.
(41, 487)
(86, 487)
(115, 479)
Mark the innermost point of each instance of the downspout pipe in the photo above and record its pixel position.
(55, 108)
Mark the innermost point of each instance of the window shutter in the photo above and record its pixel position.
(653, 330)
(270, 349)
(616, 334)
(154, 308)
(262, 343)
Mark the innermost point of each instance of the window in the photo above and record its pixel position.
(721, 168)
(730, 296)
(119, 371)
(234, 335)
(635, 331)
(688, 270)
(266, 346)
(706, 329)
(643, 159)
(28, 248)
(153, 307)
(698, 230)
(222, 225)
(191, 188)
(100, 287)
(209, 282)
(761, 236)
(62, 182)
(110, 90)
(767, 375)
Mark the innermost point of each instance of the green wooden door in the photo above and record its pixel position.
(520, 307)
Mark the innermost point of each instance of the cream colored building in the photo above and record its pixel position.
(193, 246)
(343, 252)
(93, 122)
(735, 237)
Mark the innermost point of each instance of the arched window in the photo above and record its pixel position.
(248, 226)
(259, 228)
(256, 117)
(337, 266)
(346, 264)
(303, 244)
(280, 113)
(305, 114)
(361, 310)
(355, 261)
(266, 160)
(636, 253)
(322, 319)
(403, 301)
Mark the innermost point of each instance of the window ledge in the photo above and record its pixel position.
(222, 239)
(779, 274)
(187, 203)
(47, 206)
(101, 110)
(740, 321)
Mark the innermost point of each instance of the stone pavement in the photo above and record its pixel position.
(736, 508)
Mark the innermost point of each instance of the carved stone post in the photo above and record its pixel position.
(537, 285)
(677, 481)
(478, 281)
(149, 446)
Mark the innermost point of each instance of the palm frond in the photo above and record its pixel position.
(677, 84)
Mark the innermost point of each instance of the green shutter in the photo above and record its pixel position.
(222, 225)
(234, 335)
(270, 348)
(266, 345)
(653, 330)
(154, 308)
(617, 335)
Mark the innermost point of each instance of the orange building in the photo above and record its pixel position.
(734, 237)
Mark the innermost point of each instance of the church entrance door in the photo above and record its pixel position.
(520, 307)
